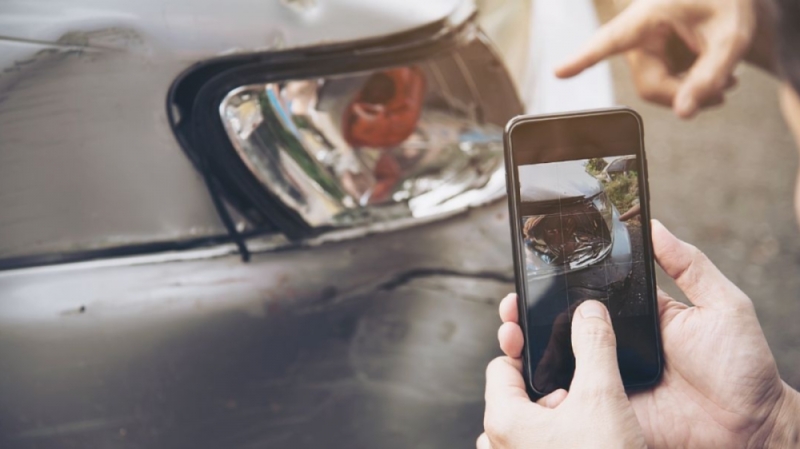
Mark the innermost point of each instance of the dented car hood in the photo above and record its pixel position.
(545, 182)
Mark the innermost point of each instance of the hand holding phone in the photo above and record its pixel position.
(570, 179)
(720, 368)
(595, 413)
(712, 348)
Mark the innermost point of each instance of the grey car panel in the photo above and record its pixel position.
(368, 342)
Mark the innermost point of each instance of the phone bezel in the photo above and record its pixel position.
(512, 187)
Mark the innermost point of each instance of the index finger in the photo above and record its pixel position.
(622, 33)
(508, 308)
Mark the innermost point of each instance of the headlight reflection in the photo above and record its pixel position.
(354, 148)
(578, 236)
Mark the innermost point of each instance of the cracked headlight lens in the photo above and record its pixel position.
(577, 237)
(408, 141)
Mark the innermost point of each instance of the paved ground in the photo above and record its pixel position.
(725, 181)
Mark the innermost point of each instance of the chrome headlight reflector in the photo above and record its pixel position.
(372, 145)
(342, 140)
(577, 237)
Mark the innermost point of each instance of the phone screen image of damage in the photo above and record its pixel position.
(582, 239)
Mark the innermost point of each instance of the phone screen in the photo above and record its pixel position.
(582, 232)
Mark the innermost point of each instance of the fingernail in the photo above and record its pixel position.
(593, 309)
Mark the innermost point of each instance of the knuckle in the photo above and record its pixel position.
(699, 265)
(494, 365)
(735, 37)
(691, 253)
(694, 261)
(697, 256)
(598, 333)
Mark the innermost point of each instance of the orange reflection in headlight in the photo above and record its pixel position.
(386, 110)
(383, 115)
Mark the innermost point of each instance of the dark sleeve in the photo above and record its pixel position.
(788, 40)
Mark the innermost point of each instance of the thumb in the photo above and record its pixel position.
(693, 272)
(595, 348)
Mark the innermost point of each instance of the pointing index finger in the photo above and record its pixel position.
(620, 34)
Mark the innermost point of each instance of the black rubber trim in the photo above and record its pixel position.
(37, 260)
(199, 91)
(225, 216)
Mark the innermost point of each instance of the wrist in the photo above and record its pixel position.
(782, 427)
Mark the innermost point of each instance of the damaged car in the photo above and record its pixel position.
(262, 224)
(572, 229)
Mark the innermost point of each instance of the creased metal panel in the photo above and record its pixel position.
(87, 157)
(198, 29)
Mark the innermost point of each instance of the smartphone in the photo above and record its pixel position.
(580, 229)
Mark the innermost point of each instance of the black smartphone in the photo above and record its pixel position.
(580, 229)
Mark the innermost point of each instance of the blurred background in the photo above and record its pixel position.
(725, 182)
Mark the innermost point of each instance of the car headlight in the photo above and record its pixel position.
(338, 149)
(326, 141)
(577, 237)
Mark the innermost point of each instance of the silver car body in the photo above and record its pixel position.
(135, 351)
(543, 182)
